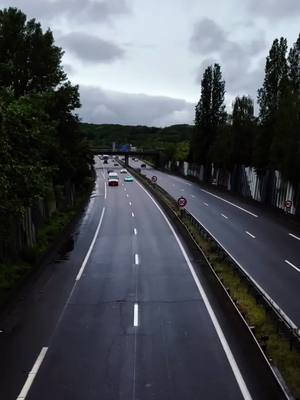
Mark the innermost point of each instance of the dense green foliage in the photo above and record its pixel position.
(174, 140)
(41, 144)
(271, 141)
(210, 114)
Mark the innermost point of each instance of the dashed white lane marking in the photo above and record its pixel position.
(127, 195)
(132, 214)
(232, 204)
(224, 216)
(32, 374)
(125, 189)
(130, 203)
(136, 315)
(182, 190)
(91, 247)
(235, 369)
(136, 259)
(250, 234)
(294, 236)
(292, 265)
(192, 196)
(105, 190)
(135, 231)
(205, 204)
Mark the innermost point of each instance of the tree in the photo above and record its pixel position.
(269, 98)
(285, 149)
(29, 60)
(210, 113)
(243, 130)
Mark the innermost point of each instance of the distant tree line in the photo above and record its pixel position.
(41, 144)
(174, 140)
(269, 141)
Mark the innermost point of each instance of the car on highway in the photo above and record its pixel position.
(123, 171)
(143, 165)
(128, 178)
(116, 164)
(113, 179)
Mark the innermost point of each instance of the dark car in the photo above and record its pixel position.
(143, 165)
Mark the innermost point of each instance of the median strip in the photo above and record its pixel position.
(276, 335)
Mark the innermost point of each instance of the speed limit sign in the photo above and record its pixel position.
(288, 203)
(154, 179)
(182, 202)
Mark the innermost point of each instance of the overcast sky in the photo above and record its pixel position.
(141, 61)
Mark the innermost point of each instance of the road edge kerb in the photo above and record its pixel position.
(189, 240)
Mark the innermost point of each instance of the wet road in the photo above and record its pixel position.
(265, 248)
(133, 320)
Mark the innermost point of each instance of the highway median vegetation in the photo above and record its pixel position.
(282, 351)
(45, 161)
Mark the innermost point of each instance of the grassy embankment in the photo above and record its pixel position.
(12, 275)
(282, 353)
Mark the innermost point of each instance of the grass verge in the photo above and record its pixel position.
(279, 349)
(12, 275)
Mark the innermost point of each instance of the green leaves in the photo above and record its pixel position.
(40, 140)
(210, 113)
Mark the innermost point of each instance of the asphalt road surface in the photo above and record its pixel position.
(124, 316)
(265, 247)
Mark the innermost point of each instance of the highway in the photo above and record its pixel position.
(265, 248)
(125, 317)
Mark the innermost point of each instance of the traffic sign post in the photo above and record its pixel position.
(181, 202)
(154, 179)
(288, 204)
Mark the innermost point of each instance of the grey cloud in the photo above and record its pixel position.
(82, 10)
(207, 37)
(234, 57)
(103, 106)
(240, 79)
(271, 9)
(90, 48)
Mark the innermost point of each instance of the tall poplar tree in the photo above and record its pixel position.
(269, 99)
(209, 114)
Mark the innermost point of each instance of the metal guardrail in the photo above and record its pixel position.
(270, 303)
(290, 326)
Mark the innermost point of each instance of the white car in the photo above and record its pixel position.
(123, 171)
(113, 179)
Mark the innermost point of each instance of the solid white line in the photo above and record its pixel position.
(292, 265)
(232, 204)
(250, 234)
(224, 216)
(32, 374)
(91, 246)
(275, 305)
(294, 236)
(235, 369)
(136, 315)
(132, 214)
(135, 231)
(136, 259)
(205, 204)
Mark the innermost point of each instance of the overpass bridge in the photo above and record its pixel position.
(156, 155)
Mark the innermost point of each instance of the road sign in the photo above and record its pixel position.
(182, 202)
(288, 203)
(154, 179)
